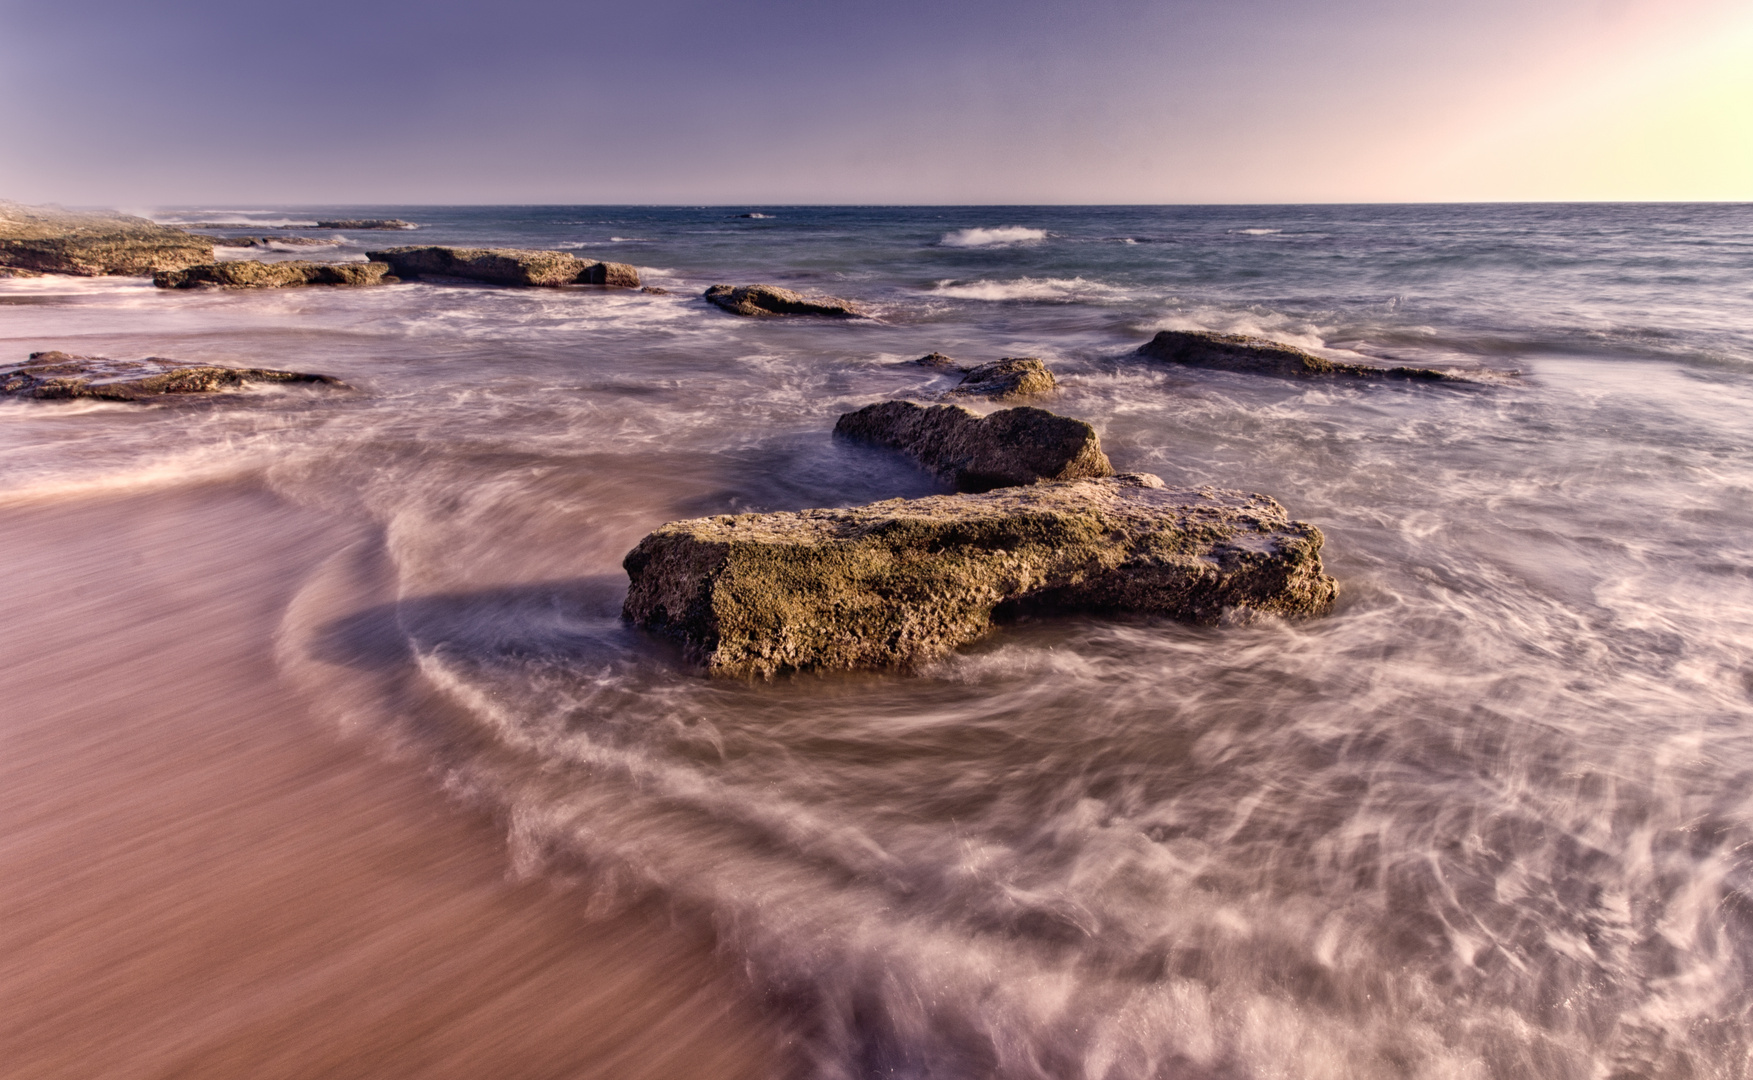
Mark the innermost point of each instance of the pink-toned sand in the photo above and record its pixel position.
(201, 879)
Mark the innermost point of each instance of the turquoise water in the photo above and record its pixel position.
(1490, 818)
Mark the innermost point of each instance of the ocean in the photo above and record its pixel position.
(1493, 817)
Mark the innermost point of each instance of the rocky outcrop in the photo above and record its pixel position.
(248, 274)
(53, 376)
(366, 223)
(903, 581)
(1255, 355)
(54, 241)
(1006, 380)
(338, 223)
(758, 300)
(506, 266)
(268, 241)
(938, 362)
(975, 453)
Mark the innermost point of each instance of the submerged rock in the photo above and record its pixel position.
(338, 223)
(939, 362)
(1242, 352)
(772, 300)
(266, 241)
(366, 223)
(655, 290)
(248, 274)
(903, 581)
(51, 376)
(1003, 380)
(54, 241)
(975, 453)
(506, 266)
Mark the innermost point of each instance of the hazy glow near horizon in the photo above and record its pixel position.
(1143, 101)
(1677, 125)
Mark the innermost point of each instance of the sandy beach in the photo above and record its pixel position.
(199, 879)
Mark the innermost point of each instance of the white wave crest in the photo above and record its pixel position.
(1004, 234)
(1025, 288)
(1256, 232)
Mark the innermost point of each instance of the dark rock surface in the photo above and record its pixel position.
(248, 274)
(655, 290)
(366, 223)
(339, 223)
(1255, 355)
(900, 582)
(757, 300)
(52, 376)
(939, 362)
(506, 266)
(975, 453)
(1007, 379)
(265, 241)
(48, 240)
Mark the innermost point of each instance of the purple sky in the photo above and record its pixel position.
(390, 101)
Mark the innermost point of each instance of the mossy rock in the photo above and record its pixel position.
(898, 583)
(59, 376)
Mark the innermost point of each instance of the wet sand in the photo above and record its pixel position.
(199, 878)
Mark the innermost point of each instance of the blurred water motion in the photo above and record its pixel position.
(326, 753)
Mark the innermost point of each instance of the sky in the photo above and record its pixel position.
(363, 102)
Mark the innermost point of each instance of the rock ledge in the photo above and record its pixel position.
(249, 274)
(1255, 355)
(59, 376)
(901, 582)
(506, 266)
(49, 240)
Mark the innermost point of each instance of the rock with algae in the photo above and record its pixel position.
(50, 240)
(506, 266)
(762, 300)
(249, 274)
(59, 376)
(898, 583)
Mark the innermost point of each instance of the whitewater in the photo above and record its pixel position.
(1491, 818)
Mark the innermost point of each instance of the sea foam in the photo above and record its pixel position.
(997, 237)
(1025, 288)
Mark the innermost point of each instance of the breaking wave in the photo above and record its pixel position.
(1043, 289)
(997, 237)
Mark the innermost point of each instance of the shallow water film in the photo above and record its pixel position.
(327, 752)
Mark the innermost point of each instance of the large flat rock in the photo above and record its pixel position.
(979, 453)
(1259, 356)
(365, 223)
(59, 376)
(900, 582)
(48, 240)
(250, 274)
(506, 266)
